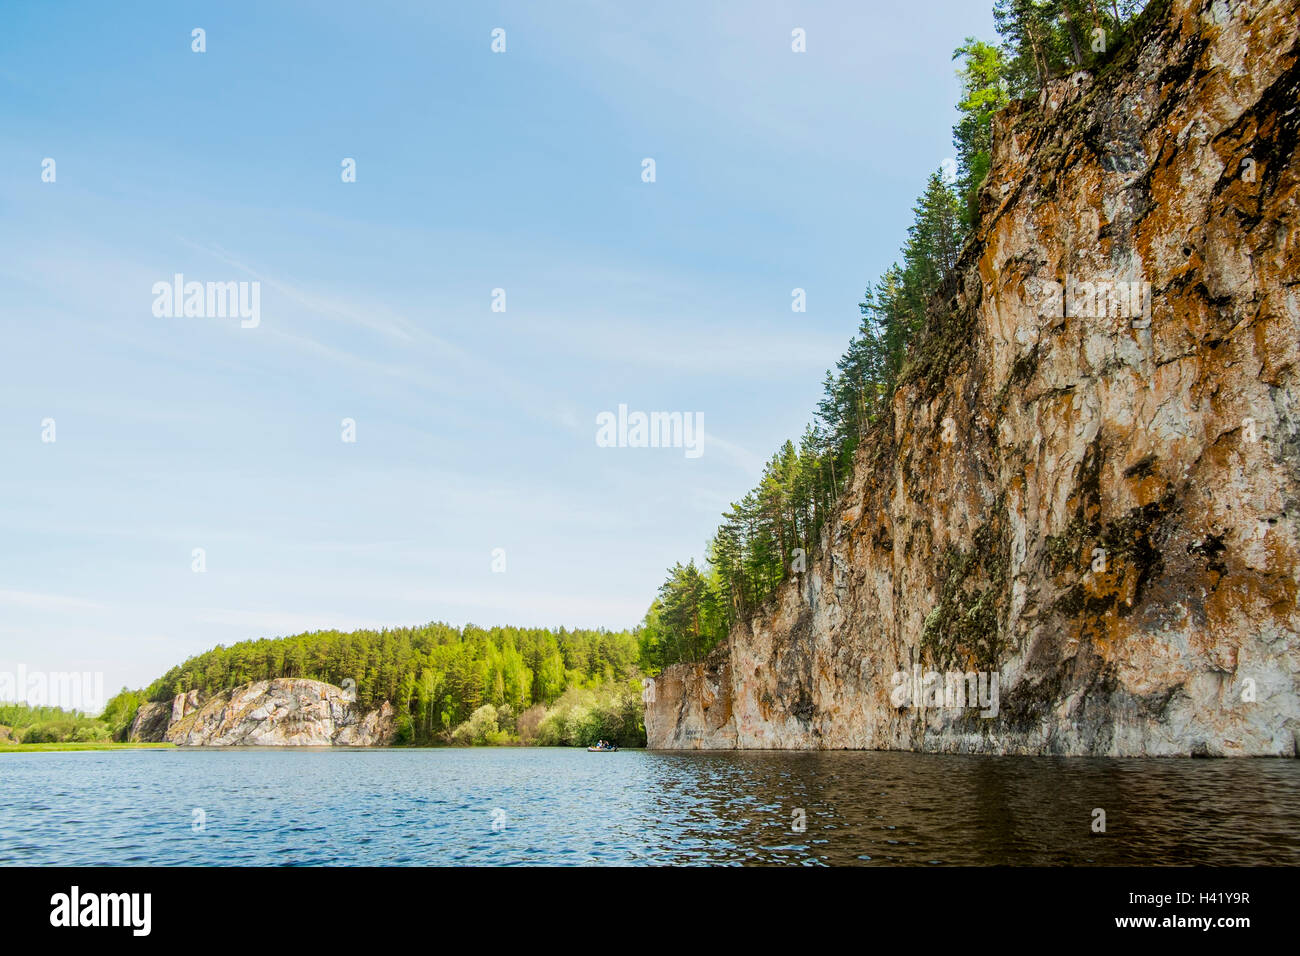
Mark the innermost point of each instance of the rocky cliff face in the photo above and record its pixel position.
(1083, 513)
(287, 712)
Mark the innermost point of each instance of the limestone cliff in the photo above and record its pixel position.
(286, 712)
(1089, 486)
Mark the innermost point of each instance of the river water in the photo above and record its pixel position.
(560, 806)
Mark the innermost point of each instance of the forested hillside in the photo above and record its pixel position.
(773, 531)
(517, 684)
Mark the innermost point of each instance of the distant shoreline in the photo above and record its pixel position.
(9, 748)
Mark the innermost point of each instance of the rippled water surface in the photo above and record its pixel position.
(559, 806)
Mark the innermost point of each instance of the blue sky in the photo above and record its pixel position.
(475, 171)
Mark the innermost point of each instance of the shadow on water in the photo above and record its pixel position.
(928, 809)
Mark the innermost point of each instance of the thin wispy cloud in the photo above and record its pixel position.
(37, 601)
(474, 429)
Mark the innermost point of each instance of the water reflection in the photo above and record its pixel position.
(930, 809)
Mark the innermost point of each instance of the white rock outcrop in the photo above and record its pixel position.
(285, 712)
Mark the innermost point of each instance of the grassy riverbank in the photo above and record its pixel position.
(12, 748)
